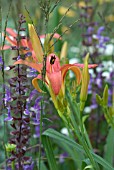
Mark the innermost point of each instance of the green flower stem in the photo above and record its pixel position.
(13, 165)
(86, 145)
(41, 117)
(83, 130)
(78, 127)
(108, 116)
(81, 137)
(83, 142)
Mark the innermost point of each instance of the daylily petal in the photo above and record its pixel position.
(36, 44)
(52, 63)
(11, 32)
(56, 35)
(55, 80)
(89, 65)
(74, 68)
(35, 83)
(76, 71)
(63, 53)
(6, 47)
(48, 45)
(11, 41)
(36, 66)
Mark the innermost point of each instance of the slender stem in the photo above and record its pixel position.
(87, 149)
(3, 65)
(41, 116)
(77, 125)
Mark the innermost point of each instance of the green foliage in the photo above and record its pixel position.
(49, 152)
(64, 139)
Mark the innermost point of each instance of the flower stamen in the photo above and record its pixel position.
(52, 60)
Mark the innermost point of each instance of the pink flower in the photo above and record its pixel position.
(55, 74)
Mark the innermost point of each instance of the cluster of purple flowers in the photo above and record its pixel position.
(1, 62)
(102, 40)
(33, 109)
(7, 102)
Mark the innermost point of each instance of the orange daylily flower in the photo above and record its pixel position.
(55, 74)
(11, 38)
(12, 35)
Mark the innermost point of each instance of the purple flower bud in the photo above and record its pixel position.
(100, 30)
(1, 62)
(9, 118)
(90, 29)
(7, 96)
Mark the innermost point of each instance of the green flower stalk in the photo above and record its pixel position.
(85, 82)
(99, 99)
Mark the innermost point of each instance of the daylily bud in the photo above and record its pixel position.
(48, 45)
(63, 53)
(63, 11)
(36, 44)
(85, 82)
(105, 96)
(98, 99)
(60, 106)
(111, 111)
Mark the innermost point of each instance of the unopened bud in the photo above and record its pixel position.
(98, 99)
(85, 82)
(105, 96)
(111, 111)
(63, 54)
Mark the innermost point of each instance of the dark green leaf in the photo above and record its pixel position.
(61, 138)
(49, 152)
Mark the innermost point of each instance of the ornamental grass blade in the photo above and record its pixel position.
(36, 44)
(73, 155)
(61, 138)
(109, 147)
(49, 152)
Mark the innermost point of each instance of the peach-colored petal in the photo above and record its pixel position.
(24, 43)
(35, 83)
(76, 71)
(6, 47)
(55, 67)
(89, 65)
(74, 68)
(55, 80)
(11, 41)
(11, 32)
(56, 35)
(36, 66)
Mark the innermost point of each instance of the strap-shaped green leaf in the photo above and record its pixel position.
(61, 138)
(49, 152)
